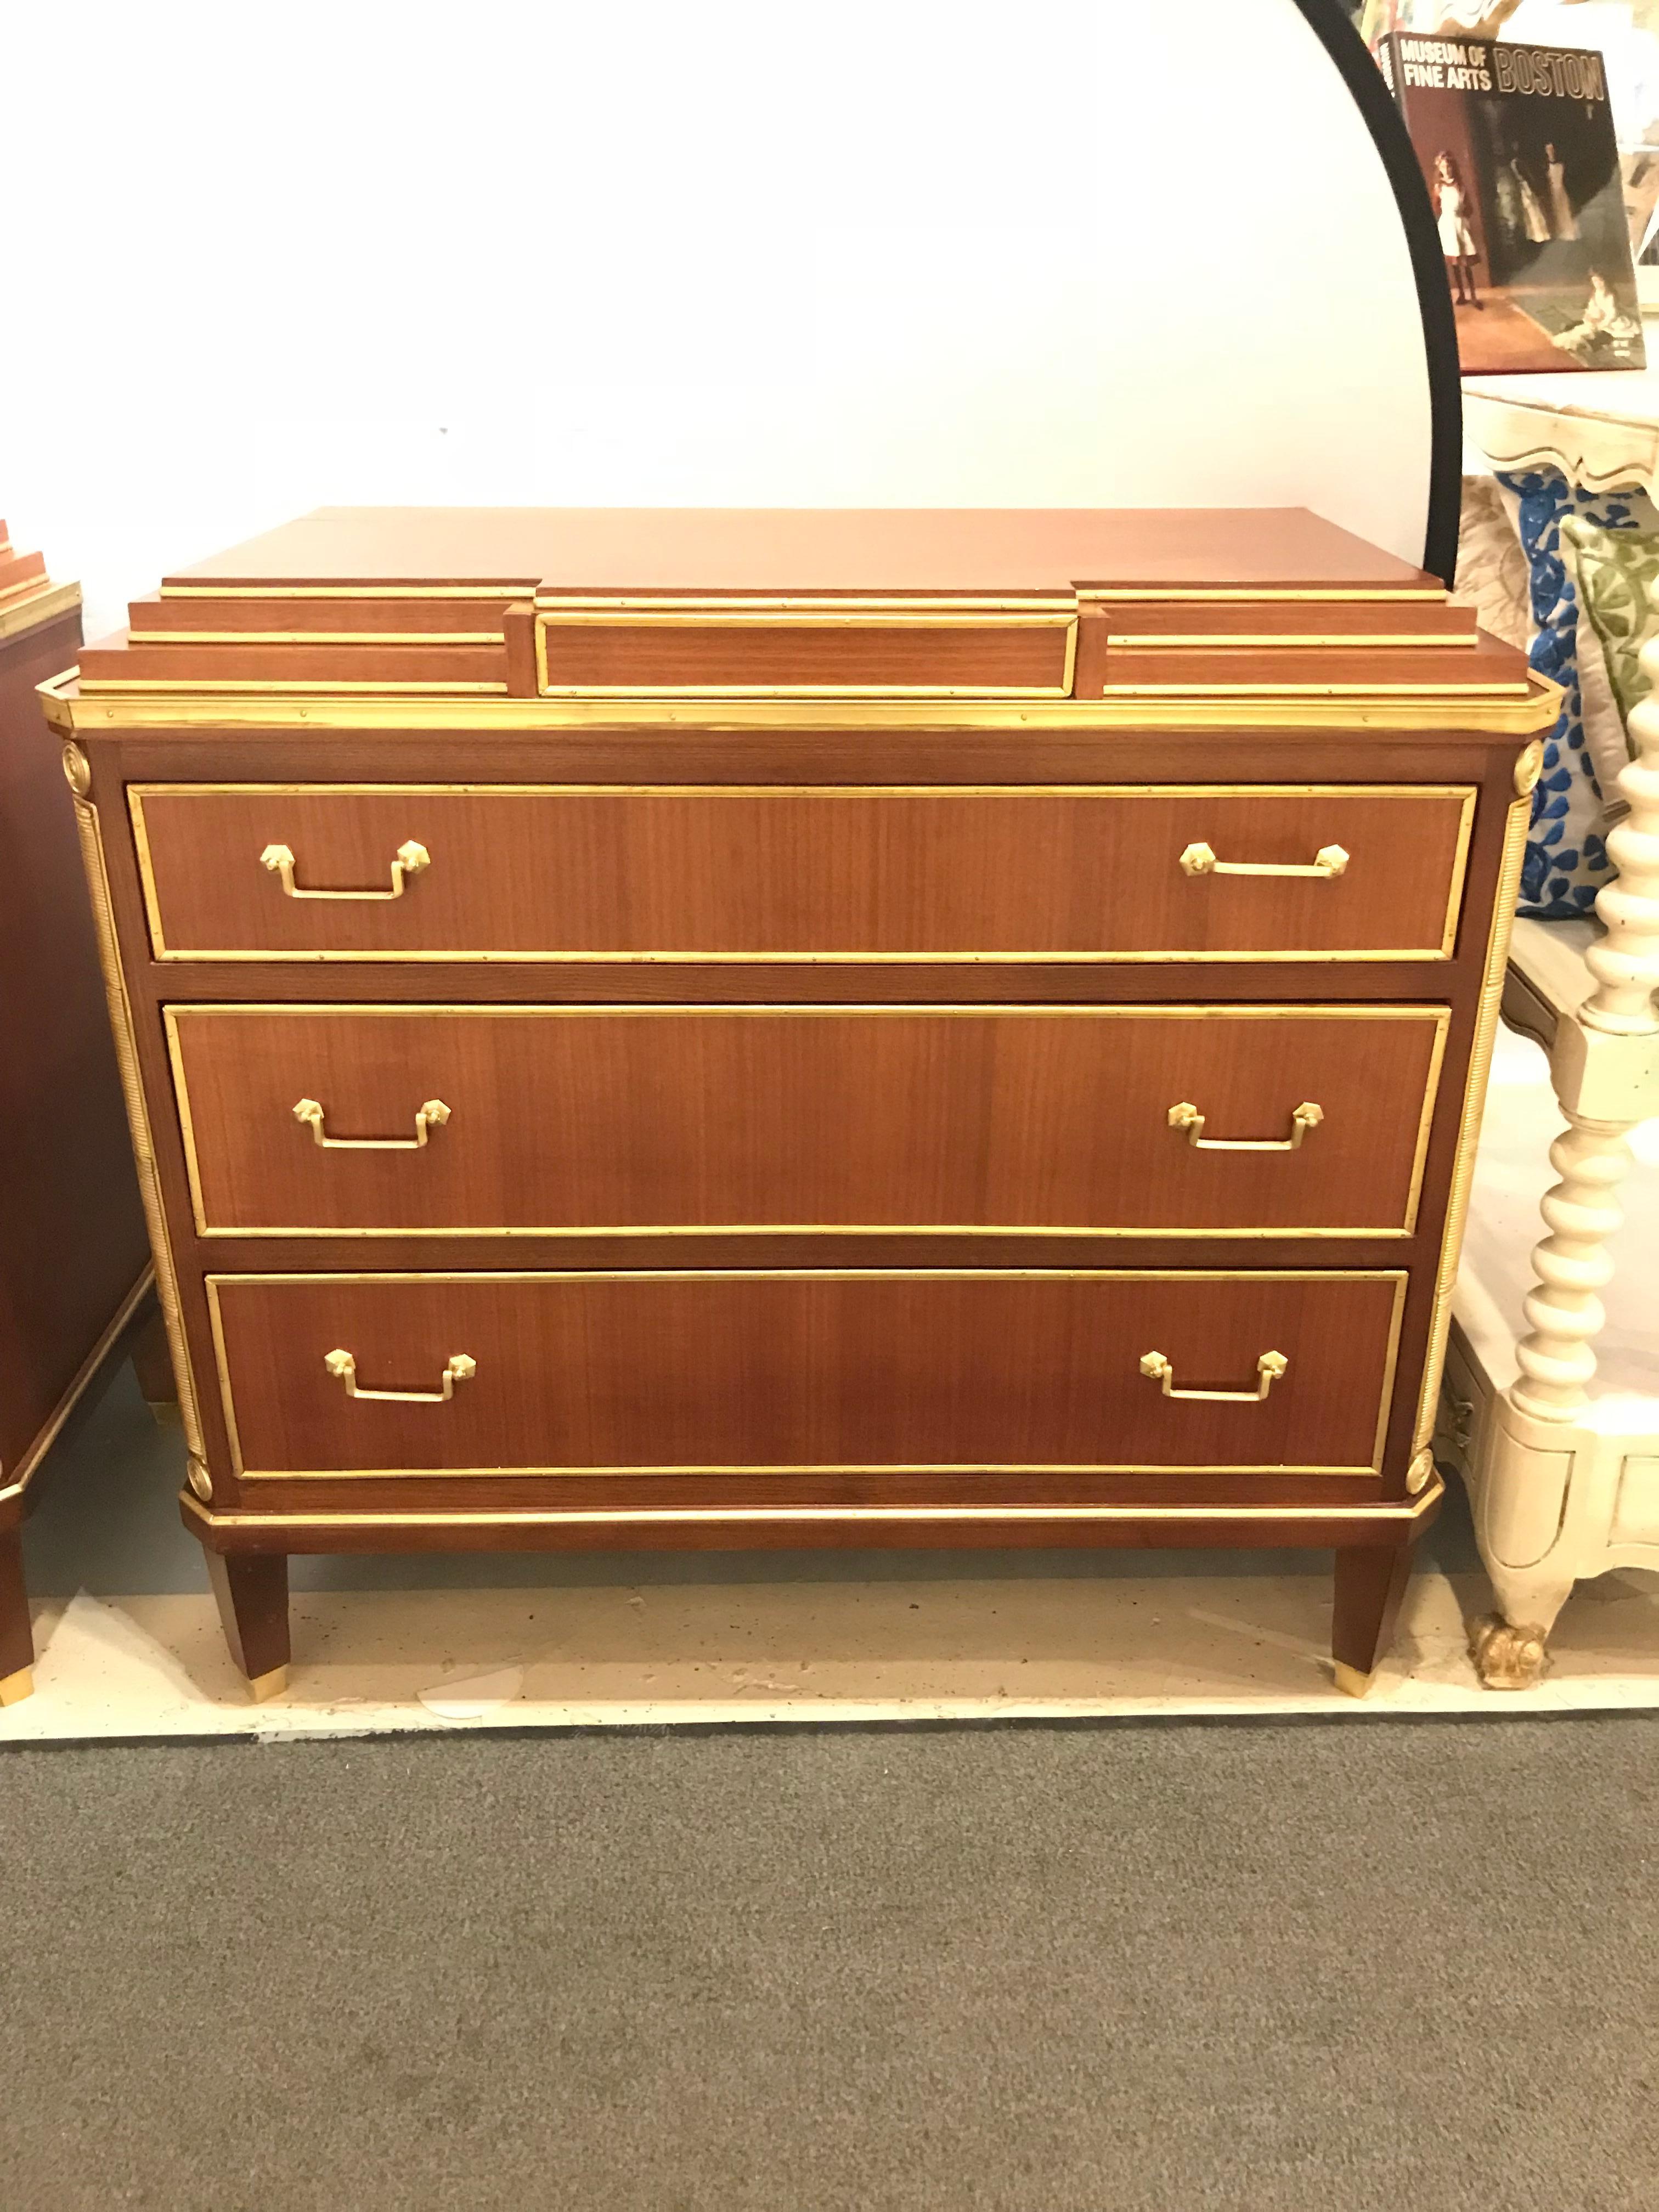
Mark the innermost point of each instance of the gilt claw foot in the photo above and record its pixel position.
(1508, 1658)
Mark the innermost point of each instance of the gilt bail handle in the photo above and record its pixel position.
(1269, 1368)
(1187, 1118)
(432, 1115)
(411, 860)
(460, 1367)
(1200, 860)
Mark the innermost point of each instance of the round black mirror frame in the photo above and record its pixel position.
(1332, 26)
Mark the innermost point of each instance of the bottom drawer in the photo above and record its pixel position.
(793, 1369)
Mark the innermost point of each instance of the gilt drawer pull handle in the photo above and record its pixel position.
(1187, 1116)
(411, 859)
(1199, 860)
(461, 1368)
(1269, 1367)
(432, 1115)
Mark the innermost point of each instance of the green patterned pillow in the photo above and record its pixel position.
(1615, 570)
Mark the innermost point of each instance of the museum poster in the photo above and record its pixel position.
(1517, 149)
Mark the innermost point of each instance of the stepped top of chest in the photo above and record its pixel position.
(468, 617)
(28, 596)
(1041, 553)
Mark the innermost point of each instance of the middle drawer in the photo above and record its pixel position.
(1189, 1120)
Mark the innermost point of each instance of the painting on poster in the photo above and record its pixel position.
(1518, 149)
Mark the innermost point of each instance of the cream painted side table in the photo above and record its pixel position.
(1564, 1480)
(1600, 428)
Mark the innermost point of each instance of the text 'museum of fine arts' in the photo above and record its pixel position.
(1518, 147)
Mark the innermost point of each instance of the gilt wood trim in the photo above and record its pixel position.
(1437, 1018)
(1319, 1526)
(1474, 1096)
(1106, 794)
(35, 605)
(77, 771)
(1397, 1278)
(69, 711)
(15, 1481)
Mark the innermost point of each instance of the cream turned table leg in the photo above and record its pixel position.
(1571, 1266)
(1605, 1068)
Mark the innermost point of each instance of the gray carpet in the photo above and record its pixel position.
(1312, 1967)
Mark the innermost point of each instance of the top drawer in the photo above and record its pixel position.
(712, 873)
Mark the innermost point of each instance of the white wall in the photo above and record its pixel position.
(327, 252)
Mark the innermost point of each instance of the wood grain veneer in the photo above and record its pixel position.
(72, 1244)
(633, 1118)
(970, 604)
(1021, 654)
(851, 1371)
(73, 1253)
(852, 550)
(805, 873)
(808, 1175)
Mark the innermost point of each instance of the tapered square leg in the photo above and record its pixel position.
(1371, 1581)
(152, 1363)
(251, 1590)
(16, 1641)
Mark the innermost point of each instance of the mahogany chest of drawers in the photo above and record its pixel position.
(74, 1263)
(656, 1028)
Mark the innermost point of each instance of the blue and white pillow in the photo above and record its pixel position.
(1566, 863)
